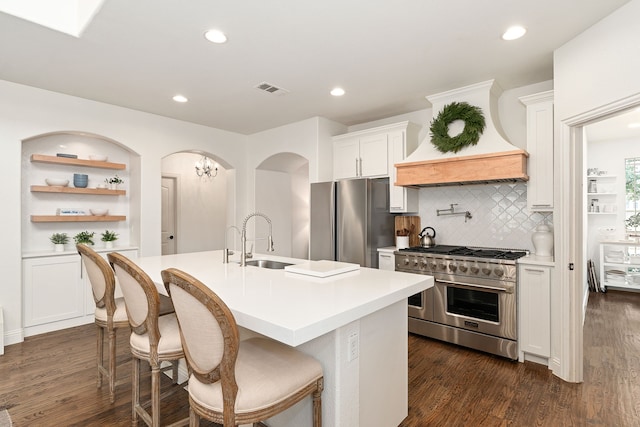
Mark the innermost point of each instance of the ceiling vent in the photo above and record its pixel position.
(268, 87)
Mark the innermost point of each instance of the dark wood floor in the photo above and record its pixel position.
(49, 380)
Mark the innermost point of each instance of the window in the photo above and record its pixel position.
(632, 192)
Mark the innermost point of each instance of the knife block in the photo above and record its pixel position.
(411, 223)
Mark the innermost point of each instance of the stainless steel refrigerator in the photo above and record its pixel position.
(350, 220)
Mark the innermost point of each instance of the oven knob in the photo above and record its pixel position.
(464, 267)
(486, 270)
(433, 265)
(406, 261)
(498, 271)
(475, 269)
(415, 262)
(441, 266)
(423, 263)
(453, 267)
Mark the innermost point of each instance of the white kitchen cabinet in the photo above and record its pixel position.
(534, 312)
(402, 142)
(53, 290)
(360, 156)
(57, 291)
(372, 153)
(620, 264)
(540, 149)
(386, 259)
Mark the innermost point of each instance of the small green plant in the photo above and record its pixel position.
(114, 180)
(109, 236)
(59, 238)
(84, 237)
(633, 221)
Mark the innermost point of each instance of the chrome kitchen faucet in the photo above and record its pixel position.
(243, 237)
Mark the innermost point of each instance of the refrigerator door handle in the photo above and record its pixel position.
(332, 215)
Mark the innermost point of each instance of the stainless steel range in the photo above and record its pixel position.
(474, 299)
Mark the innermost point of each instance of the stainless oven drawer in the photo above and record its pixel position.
(487, 311)
(421, 305)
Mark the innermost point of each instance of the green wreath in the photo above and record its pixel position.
(473, 127)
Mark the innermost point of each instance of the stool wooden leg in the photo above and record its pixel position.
(155, 395)
(135, 389)
(112, 365)
(100, 352)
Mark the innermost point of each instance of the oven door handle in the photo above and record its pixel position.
(506, 289)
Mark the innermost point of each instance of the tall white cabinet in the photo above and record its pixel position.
(534, 309)
(540, 149)
(372, 153)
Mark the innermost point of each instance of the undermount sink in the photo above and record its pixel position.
(267, 263)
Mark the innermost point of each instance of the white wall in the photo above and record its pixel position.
(201, 204)
(599, 66)
(27, 111)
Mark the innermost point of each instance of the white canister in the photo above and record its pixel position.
(402, 242)
(542, 240)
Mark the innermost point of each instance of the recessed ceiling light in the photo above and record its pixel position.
(338, 91)
(215, 36)
(180, 98)
(514, 32)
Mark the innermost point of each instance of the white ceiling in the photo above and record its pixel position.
(387, 55)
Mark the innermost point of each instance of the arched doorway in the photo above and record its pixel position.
(282, 193)
(194, 204)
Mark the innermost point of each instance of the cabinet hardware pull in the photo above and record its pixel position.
(534, 270)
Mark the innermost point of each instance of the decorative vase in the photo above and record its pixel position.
(113, 186)
(108, 245)
(58, 247)
(542, 240)
(80, 180)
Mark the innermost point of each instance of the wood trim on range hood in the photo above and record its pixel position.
(504, 166)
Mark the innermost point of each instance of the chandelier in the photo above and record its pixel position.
(206, 166)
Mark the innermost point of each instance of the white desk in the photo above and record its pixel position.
(325, 318)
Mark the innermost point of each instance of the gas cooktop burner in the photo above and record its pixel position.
(470, 252)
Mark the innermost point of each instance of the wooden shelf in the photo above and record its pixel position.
(41, 158)
(77, 218)
(74, 190)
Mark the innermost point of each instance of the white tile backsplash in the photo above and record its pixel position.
(500, 215)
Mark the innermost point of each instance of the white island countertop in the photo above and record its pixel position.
(288, 307)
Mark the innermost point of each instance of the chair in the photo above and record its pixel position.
(154, 338)
(236, 382)
(110, 313)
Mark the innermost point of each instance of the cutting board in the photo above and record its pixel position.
(322, 268)
(411, 223)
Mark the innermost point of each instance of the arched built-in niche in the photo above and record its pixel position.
(282, 193)
(203, 203)
(41, 160)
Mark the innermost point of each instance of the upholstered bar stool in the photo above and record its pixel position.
(234, 382)
(110, 313)
(154, 338)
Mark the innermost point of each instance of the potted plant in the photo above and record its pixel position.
(84, 237)
(631, 224)
(114, 181)
(108, 237)
(59, 240)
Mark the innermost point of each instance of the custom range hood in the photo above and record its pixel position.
(492, 159)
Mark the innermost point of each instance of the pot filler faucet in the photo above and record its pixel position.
(243, 237)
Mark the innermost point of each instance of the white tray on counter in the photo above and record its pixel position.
(322, 268)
